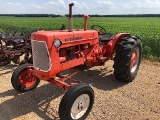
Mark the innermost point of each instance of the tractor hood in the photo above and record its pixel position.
(74, 37)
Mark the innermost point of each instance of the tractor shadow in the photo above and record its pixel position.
(100, 77)
(38, 101)
(7, 69)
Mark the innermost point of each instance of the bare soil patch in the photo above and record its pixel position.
(114, 100)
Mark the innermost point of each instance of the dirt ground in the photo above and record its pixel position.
(114, 100)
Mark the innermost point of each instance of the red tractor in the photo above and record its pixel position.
(60, 50)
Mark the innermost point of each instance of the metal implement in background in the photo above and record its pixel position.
(12, 46)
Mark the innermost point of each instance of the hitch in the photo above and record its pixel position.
(61, 80)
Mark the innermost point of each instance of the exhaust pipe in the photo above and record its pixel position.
(70, 21)
(86, 22)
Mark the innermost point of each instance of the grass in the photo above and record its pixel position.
(148, 29)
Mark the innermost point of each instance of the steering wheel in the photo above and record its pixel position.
(101, 30)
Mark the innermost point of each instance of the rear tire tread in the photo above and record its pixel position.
(123, 57)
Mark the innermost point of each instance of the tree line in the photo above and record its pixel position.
(31, 15)
(81, 15)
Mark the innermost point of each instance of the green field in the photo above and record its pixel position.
(148, 29)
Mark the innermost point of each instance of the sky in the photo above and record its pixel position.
(101, 7)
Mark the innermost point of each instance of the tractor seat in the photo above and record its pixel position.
(105, 37)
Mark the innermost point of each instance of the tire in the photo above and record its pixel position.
(20, 81)
(127, 59)
(68, 107)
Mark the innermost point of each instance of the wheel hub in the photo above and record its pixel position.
(134, 60)
(80, 106)
(25, 80)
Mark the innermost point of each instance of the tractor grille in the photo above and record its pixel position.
(41, 57)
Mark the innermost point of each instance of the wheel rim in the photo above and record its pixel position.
(134, 60)
(25, 80)
(80, 106)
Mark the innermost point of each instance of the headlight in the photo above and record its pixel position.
(57, 43)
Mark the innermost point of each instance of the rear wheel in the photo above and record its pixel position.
(127, 59)
(21, 81)
(76, 103)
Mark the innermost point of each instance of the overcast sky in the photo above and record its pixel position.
(101, 7)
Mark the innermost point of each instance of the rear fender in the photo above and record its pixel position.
(118, 38)
(112, 45)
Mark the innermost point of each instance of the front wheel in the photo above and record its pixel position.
(21, 81)
(127, 59)
(76, 103)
